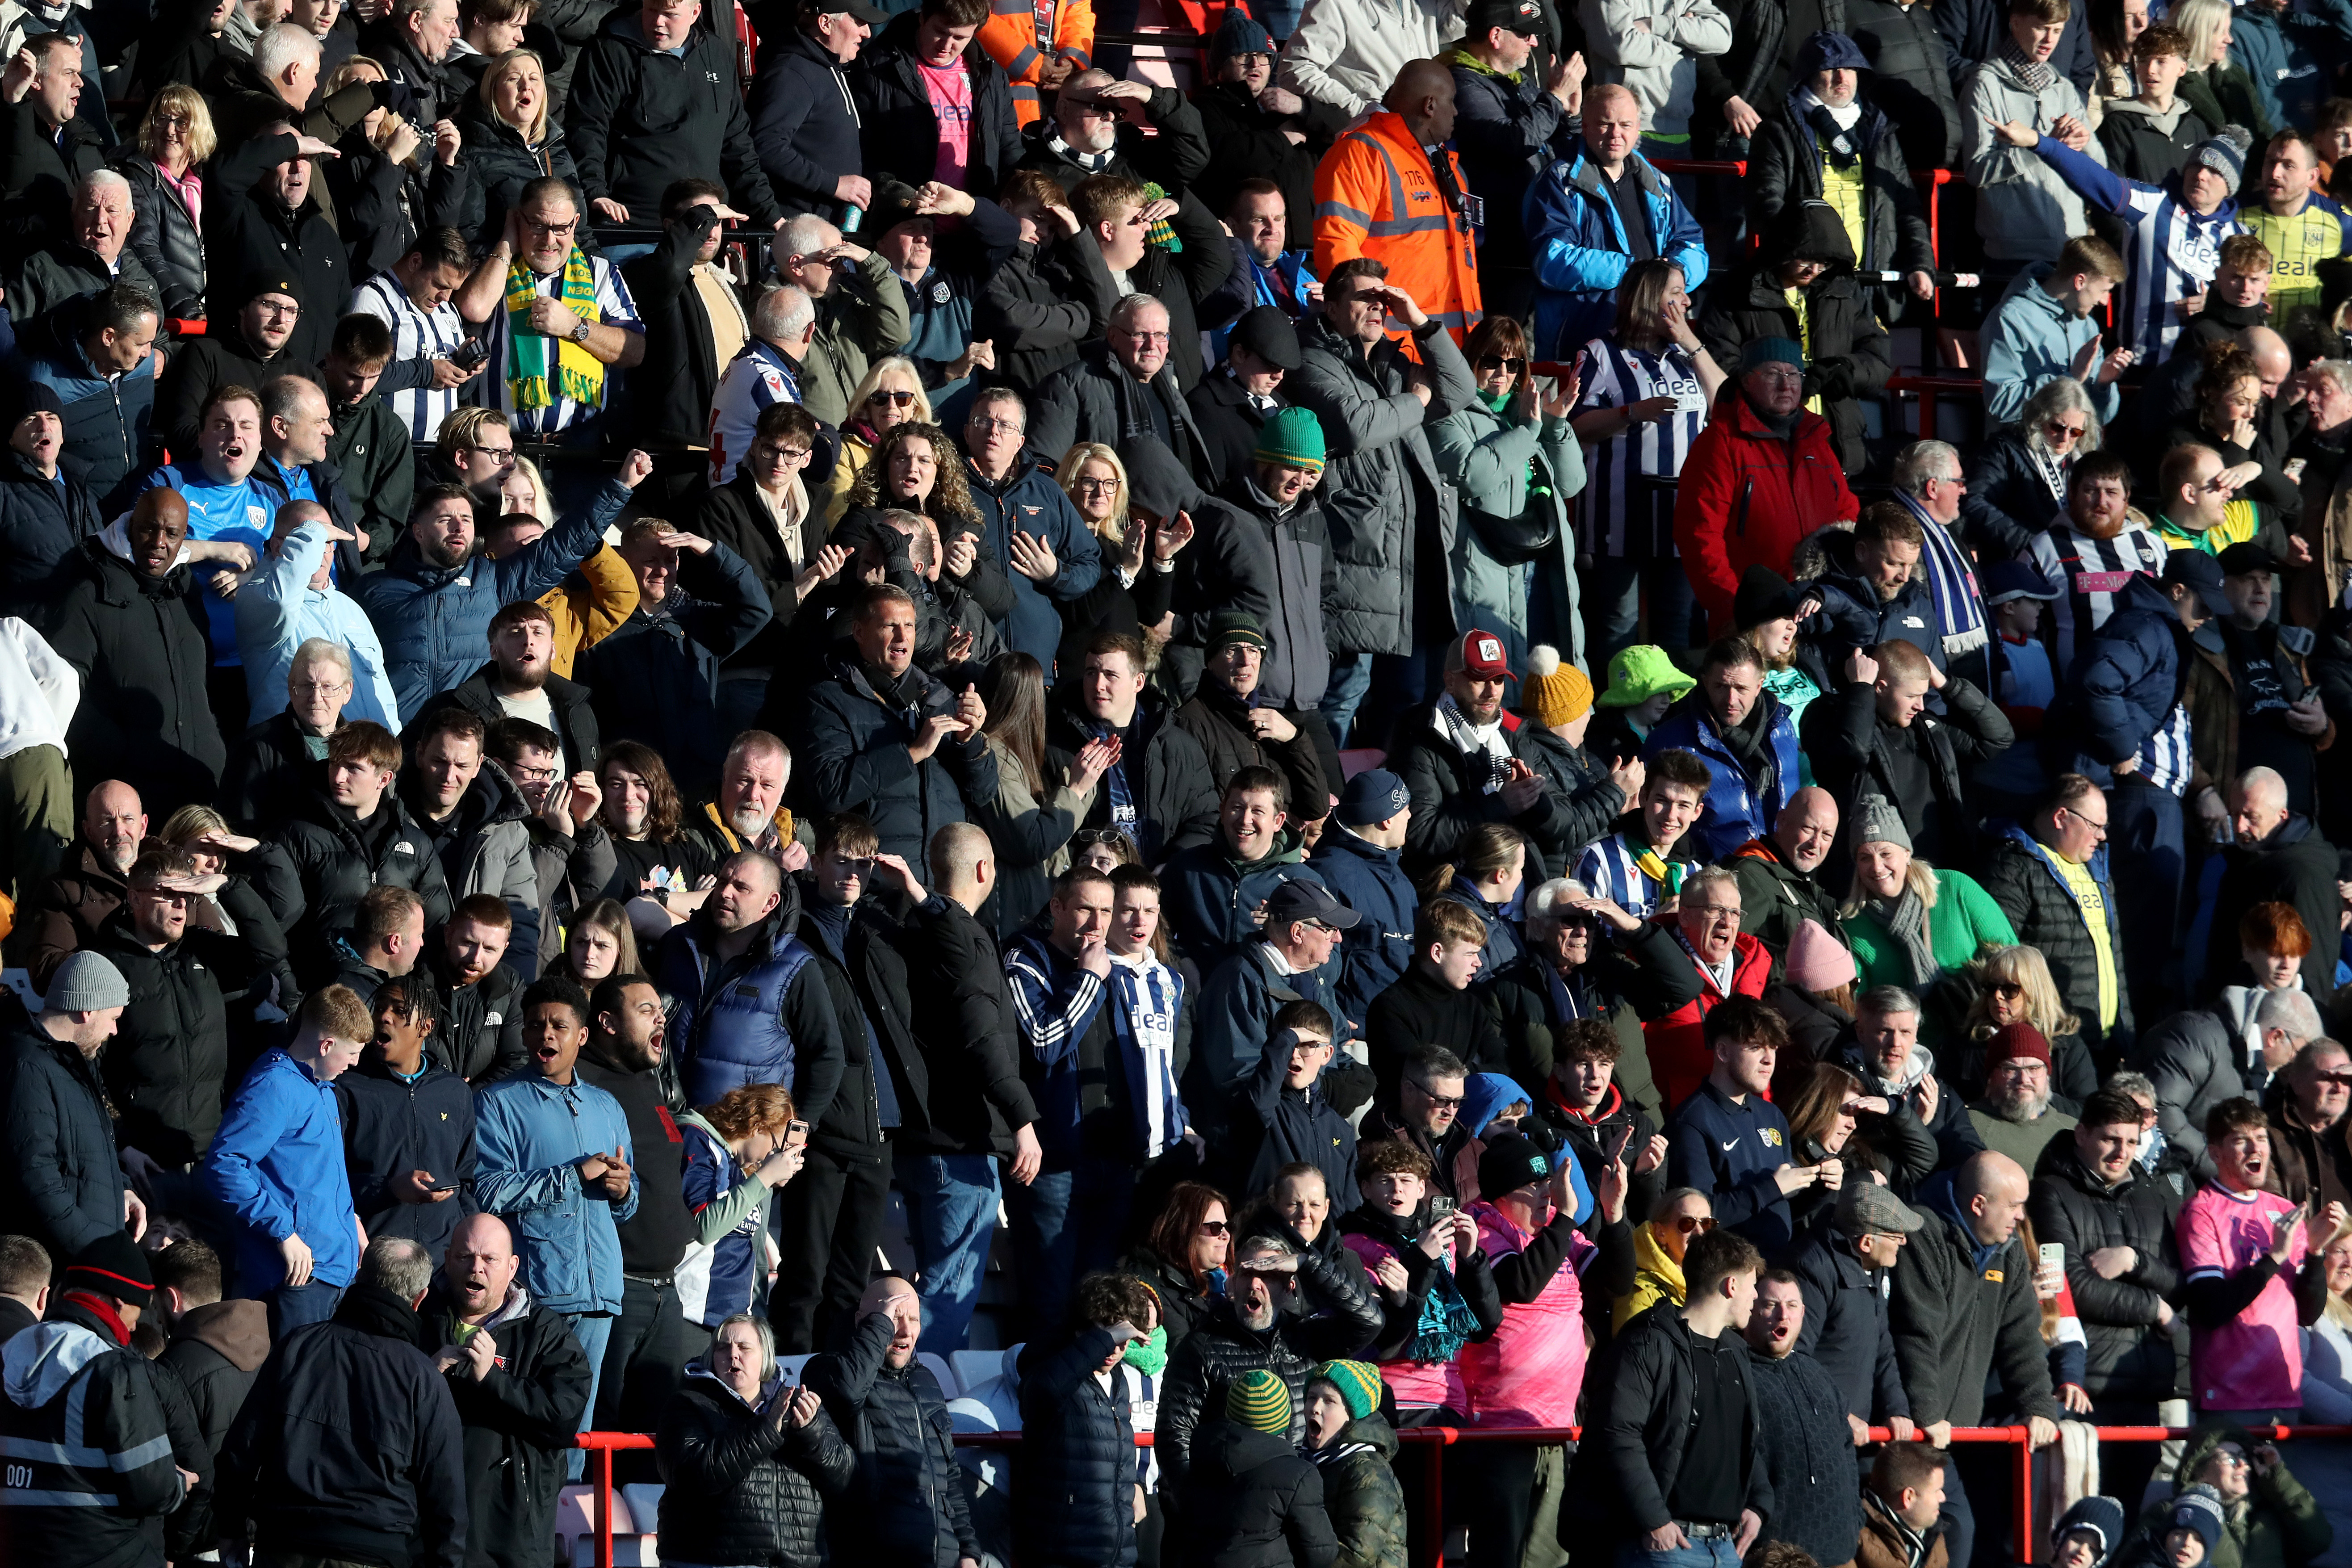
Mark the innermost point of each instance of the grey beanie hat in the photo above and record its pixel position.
(1877, 821)
(85, 983)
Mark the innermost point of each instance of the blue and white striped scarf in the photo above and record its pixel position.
(1960, 606)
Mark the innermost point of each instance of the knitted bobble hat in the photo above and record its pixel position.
(1554, 692)
(1358, 1383)
(1259, 1401)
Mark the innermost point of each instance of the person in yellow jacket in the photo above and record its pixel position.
(587, 606)
(1379, 192)
(1039, 43)
(1658, 1246)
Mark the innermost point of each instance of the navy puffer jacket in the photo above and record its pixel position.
(1077, 1453)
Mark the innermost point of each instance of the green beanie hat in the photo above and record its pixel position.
(1260, 1401)
(1292, 437)
(1359, 1384)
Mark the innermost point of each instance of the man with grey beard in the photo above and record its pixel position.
(750, 811)
(2015, 1117)
(1286, 1310)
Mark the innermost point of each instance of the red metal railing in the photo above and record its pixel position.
(1430, 1550)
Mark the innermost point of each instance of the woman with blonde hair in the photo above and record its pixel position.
(361, 178)
(739, 1150)
(259, 894)
(1909, 923)
(891, 395)
(167, 195)
(2014, 985)
(511, 140)
(2216, 87)
(1136, 589)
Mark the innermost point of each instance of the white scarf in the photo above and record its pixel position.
(1846, 119)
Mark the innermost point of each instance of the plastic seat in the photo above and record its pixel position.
(948, 1384)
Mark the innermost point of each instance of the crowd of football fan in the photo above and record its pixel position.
(660, 667)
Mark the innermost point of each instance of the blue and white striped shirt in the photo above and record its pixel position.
(2173, 251)
(2166, 759)
(1617, 515)
(614, 308)
(415, 335)
(1607, 867)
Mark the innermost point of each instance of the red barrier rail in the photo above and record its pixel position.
(1438, 1439)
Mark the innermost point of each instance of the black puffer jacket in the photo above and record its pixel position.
(216, 1351)
(338, 860)
(480, 1037)
(908, 1504)
(42, 527)
(739, 1491)
(1221, 1348)
(502, 163)
(1252, 1503)
(1448, 804)
(164, 237)
(2008, 499)
(2129, 1357)
(1785, 168)
(2046, 915)
(519, 1422)
(1078, 1452)
(141, 648)
(61, 1178)
(166, 1069)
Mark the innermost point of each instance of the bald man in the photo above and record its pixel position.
(520, 1383)
(2276, 855)
(1964, 1310)
(1594, 214)
(144, 715)
(1381, 193)
(908, 1508)
(977, 1110)
(65, 910)
(1778, 891)
(291, 597)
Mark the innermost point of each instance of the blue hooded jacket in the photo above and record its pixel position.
(277, 1164)
(1735, 810)
(1369, 880)
(1577, 244)
(528, 1135)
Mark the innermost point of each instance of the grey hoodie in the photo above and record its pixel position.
(2024, 210)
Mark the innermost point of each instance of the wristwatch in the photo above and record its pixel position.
(580, 332)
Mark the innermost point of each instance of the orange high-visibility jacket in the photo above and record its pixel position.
(1376, 195)
(1010, 36)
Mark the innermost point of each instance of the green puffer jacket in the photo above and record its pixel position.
(2277, 1525)
(1361, 1495)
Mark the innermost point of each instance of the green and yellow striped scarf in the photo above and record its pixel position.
(542, 371)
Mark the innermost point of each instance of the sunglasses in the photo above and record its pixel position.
(2059, 430)
(1439, 1102)
(1215, 1228)
(1088, 838)
(1687, 1222)
(895, 399)
(1502, 362)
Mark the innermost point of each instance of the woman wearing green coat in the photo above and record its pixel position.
(1514, 458)
(1910, 924)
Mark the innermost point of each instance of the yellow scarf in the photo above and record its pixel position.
(534, 379)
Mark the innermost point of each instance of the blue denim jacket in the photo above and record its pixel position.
(528, 1135)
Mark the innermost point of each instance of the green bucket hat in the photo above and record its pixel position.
(1292, 437)
(1641, 672)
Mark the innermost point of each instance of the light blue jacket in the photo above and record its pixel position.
(2029, 339)
(1577, 244)
(277, 1164)
(529, 1136)
(241, 513)
(278, 611)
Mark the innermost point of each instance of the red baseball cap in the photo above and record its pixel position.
(1482, 655)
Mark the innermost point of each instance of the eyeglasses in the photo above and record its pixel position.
(1096, 487)
(896, 399)
(1437, 1101)
(782, 454)
(992, 427)
(502, 455)
(531, 775)
(1687, 1222)
(536, 226)
(1502, 362)
(276, 308)
(319, 687)
(1147, 337)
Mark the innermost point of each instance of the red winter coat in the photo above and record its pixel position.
(1676, 1044)
(1748, 496)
